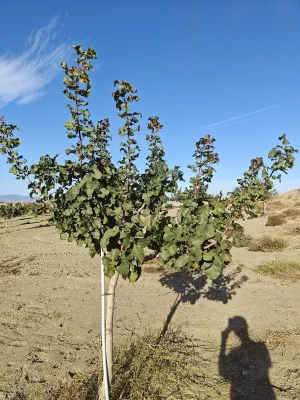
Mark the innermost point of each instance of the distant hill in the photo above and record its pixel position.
(15, 198)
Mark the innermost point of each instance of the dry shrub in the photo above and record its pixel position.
(154, 367)
(281, 338)
(267, 244)
(275, 220)
(147, 366)
(297, 204)
(153, 269)
(288, 270)
(291, 212)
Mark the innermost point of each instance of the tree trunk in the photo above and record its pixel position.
(110, 307)
(107, 332)
(265, 208)
(6, 225)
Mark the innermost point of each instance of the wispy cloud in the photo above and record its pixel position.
(23, 78)
(224, 121)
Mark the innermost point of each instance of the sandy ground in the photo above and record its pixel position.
(50, 310)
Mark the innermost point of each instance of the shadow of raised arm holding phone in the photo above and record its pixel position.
(246, 366)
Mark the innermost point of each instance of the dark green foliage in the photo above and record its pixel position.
(194, 239)
(205, 158)
(7, 211)
(258, 181)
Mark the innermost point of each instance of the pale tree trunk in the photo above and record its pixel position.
(110, 307)
(107, 333)
(265, 208)
(6, 225)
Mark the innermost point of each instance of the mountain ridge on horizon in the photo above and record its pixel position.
(15, 198)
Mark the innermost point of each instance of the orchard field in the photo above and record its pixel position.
(50, 310)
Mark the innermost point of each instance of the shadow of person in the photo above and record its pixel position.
(247, 366)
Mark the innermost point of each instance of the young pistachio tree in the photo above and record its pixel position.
(199, 237)
(7, 212)
(116, 211)
(193, 240)
(113, 210)
(259, 180)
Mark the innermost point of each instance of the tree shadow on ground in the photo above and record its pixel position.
(14, 265)
(190, 287)
(31, 222)
(247, 366)
(39, 226)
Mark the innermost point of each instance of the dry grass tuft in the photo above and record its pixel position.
(267, 244)
(291, 212)
(275, 220)
(280, 269)
(153, 268)
(280, 338)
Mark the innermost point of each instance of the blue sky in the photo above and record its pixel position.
(225, 67)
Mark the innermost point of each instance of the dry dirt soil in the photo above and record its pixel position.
(50, 309)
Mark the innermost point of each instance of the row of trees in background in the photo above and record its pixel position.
(118, 212)
(12, 210)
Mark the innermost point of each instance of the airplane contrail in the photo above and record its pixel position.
(240, 116)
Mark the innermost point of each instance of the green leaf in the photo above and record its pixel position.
(91, 187)
(218, 208)
(181, 261)
(96, 234)
(208, 255)
(115, 254)
(137, 220)
(96, 173)
(272, 153)
(138, 253)
(214, 271)
(164, 255)
(226, 257)
(92, 253)
(134, 276)
(109, 270)
(97, 222)
(197, 249)
(63, 236)
(209, 231)
(111, 232)
(169, 237)
(73, 193)
(123, 268)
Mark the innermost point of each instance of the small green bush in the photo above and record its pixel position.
(267, 244)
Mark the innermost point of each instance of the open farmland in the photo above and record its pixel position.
(50, 308)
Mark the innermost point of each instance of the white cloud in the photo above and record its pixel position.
(24, 77)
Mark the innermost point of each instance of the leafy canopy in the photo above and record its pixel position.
(121, 211)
